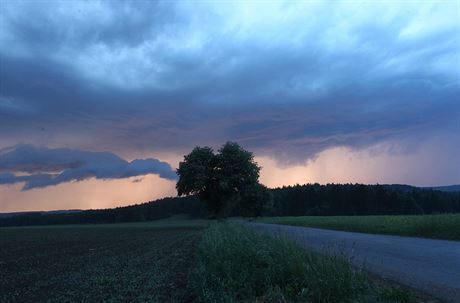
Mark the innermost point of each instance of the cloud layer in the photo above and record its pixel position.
(41, 167)
(342, 91)
(288, 80)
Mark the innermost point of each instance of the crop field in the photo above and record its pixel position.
(136, 262)
(444, 226)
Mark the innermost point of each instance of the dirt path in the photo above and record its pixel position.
(432, 266)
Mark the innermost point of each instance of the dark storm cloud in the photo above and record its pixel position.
(41, 167)
(141, 76)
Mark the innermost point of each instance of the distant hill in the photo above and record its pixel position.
(401, 187)
(408, 188)
(448, 189)
(50, 212)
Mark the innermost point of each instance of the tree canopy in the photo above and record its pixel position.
(223, 179)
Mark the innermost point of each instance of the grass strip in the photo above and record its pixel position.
(237, 264)
(442, 226)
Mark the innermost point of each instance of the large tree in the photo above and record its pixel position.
(220, 179)
(255, 200)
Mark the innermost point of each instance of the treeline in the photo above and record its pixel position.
(359, 199)
(298, 200)
(153, 210)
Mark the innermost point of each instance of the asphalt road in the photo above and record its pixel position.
(431, 266)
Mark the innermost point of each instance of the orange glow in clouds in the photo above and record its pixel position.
(429, 165)
(86, 194)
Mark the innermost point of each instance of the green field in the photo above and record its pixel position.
(445, 226)
(136, 262)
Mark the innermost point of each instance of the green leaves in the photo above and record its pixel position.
(195, 171)
(219, 179)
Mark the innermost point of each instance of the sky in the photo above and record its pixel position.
(100, 100)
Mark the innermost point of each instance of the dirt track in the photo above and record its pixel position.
(432, 266)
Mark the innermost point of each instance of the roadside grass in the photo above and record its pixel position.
(237, 264)
(133, 262)
(443, 226)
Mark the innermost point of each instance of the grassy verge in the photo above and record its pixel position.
(445, 226)
(138, 262)
(236, 264)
